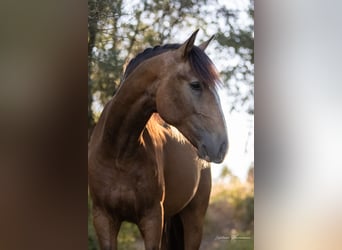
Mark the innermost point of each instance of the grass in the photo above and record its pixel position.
(236, 245)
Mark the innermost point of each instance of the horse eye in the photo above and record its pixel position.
(196, 86)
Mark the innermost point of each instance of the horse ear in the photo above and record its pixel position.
(186, 47)
(204, 45)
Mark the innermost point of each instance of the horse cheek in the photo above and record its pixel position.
(166, 107)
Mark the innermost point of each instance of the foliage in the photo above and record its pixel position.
(129, 236)
(236, 199)
(119, 29)
(231, 212)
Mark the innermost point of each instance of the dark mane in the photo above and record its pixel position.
(199, 62)
(146, 54)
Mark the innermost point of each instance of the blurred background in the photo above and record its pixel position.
(119, 30)
(298, 139)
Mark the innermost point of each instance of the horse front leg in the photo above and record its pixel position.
(107, 229)
(151, 227)
(193, 214)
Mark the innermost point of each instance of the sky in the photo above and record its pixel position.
(240, 127)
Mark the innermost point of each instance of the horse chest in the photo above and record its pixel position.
(182, 174)
(130, 195)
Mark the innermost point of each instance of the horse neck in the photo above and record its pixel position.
(128, 112)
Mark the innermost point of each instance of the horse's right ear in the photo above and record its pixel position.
(186, 47)
(205, 44)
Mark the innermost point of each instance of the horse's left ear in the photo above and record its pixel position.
(204, 45)
(186, 47)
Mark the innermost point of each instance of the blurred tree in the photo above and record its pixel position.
(250, 175)
(236, 40)
(225, 172)
(119, 29)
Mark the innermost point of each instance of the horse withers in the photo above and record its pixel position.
(148, 151)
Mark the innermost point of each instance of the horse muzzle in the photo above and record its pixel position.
(213, 149)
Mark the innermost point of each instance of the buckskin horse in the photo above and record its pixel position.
(148, 151)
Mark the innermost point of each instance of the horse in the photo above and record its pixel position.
(148, 155)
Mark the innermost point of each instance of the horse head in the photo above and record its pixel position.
(187, 99)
